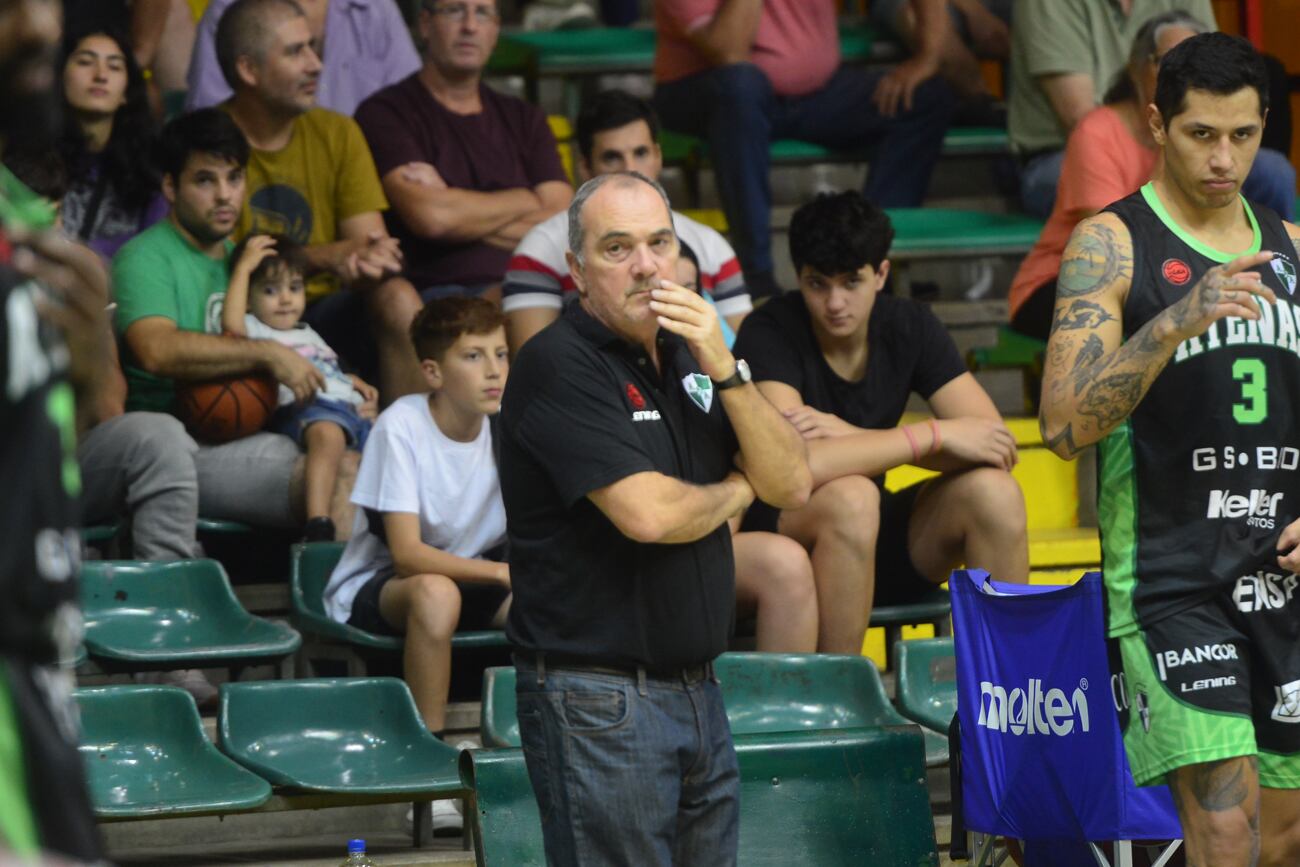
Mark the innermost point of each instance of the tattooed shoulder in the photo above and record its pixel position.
(1099, 255)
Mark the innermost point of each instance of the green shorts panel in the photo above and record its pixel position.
(17, 824)
(1164, 733)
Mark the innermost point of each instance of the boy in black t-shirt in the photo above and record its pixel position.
(840, 360)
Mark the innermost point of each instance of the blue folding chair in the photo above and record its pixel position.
(1040, 756)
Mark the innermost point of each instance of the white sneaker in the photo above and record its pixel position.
(541, 16)
(192, 680)
(448, 821)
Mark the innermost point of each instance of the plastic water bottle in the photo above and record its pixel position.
(357, 856)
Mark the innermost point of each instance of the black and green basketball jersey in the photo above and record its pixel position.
(1196, 485)
(40, 547)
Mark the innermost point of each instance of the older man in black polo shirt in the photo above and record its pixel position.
(619, 438)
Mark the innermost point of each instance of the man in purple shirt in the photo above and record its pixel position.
(468, 171)
(363, 45)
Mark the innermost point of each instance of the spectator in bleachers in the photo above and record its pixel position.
(1064, 54)
(113, 192)
(137, 465)
(266, 299)
(312, 179)
(168, 282)
(469, 171)
(1110, 154)
(840, 359)
(363, 45)
(947, 37)
(427, 554)
(742, 73)
(617, 132)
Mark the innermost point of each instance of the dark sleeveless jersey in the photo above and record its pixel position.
(1196, 485)
(39, 481)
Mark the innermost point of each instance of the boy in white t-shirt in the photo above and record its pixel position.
(265, 299)
(427, 553)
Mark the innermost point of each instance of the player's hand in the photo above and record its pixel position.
(978, 441)
(690, 317)
(1224, 290)
(895, 89)
(1288, 547)
(379, 255)
(369, 408)
(256, 251)
(815, 425)
(76, 302)
(293, 371)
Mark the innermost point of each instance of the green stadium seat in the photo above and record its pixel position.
(178, 614)
(927, 682)
(360, 736)
(763, 692)
(935, 609)
(146, 756)
(101, 533)
(1013, 349)
(931, 233)
(815, 798)
(219, 527)
(310, 569)
(976, 141)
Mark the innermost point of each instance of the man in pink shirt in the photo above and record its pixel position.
(742, 73)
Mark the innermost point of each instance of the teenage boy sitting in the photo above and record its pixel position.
(840, 360)
(427, 553)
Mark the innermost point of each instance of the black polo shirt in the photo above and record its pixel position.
(582, 410)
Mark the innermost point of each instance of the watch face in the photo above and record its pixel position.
(742, 370)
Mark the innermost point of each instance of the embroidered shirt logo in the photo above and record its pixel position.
(1284, 268)
(634, 397)
(1176, 271)
(699, 388)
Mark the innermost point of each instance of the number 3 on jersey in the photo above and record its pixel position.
(1253, 376)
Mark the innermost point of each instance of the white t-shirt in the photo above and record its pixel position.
(410, 465)
(303, 340)
(538, 275)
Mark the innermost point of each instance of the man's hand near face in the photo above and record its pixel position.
(689, 316)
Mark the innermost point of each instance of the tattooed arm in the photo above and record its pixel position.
(1093, 378)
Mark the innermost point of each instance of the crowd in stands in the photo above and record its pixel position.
(387, 200)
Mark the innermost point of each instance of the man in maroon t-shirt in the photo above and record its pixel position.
(468, 171)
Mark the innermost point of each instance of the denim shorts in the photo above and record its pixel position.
(293, 420)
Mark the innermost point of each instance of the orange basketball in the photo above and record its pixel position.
(220, 410)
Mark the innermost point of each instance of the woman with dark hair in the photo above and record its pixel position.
(113, 192)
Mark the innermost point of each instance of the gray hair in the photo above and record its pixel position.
(1143, 49)
(244, 31)
(577, 231)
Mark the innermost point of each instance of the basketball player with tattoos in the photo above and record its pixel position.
(1175, 349)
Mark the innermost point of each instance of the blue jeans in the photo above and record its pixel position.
(1271, 182)
(629, 771)
(736, 110)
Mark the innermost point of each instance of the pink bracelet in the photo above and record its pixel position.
(937, 442)
(911, 441)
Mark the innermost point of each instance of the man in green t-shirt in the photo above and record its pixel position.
(168, 282)
(311, 177)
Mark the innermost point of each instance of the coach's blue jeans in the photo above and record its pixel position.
(629, 771)
(736, 110)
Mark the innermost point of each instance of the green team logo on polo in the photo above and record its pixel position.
(1284, 268)
(699, 388)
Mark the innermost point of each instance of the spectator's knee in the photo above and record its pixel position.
(787, 575)
(850, 507)
(739, 85)
(393, 304)
(434, 605)
(990, 497)
(163, 438)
